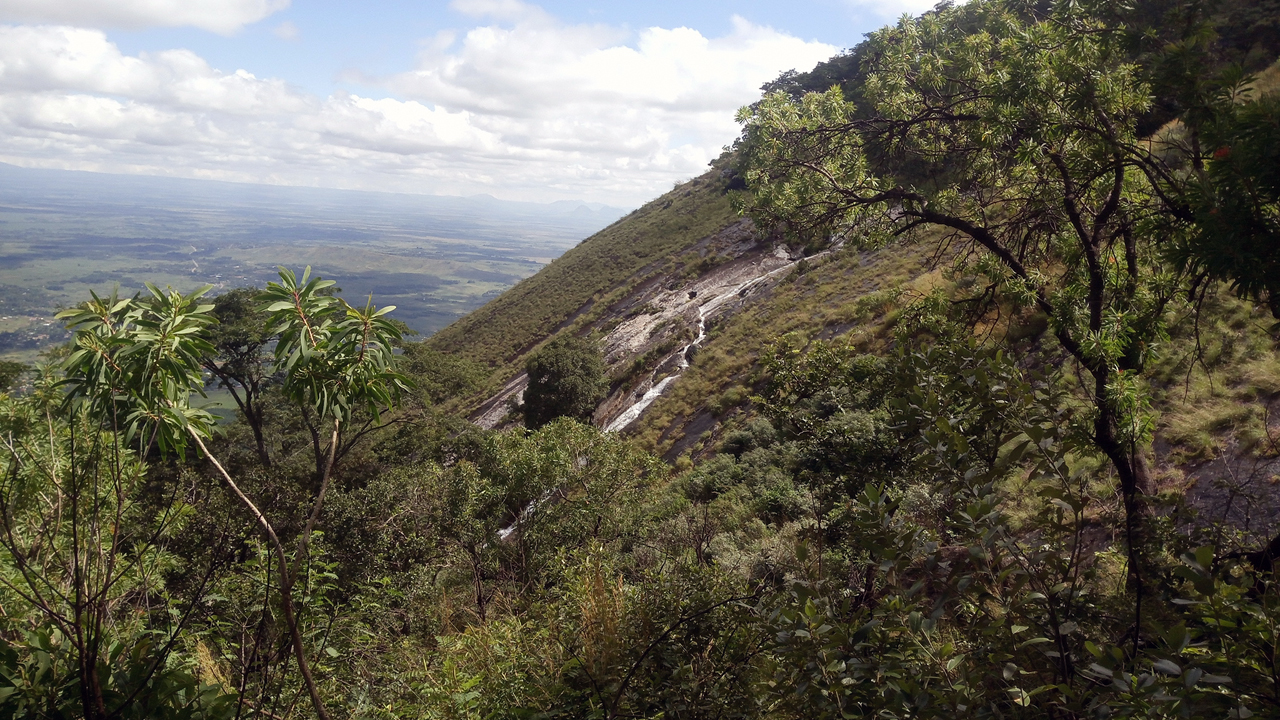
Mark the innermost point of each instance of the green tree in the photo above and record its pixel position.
(999, 606)
(517, 500)
(138, 361)
(83, 557)
(10, 372)
(84, 535)
(337, 361)
(241, 363)
(566, 379)
(1010, 130)
(1236, 200)
(441, 376)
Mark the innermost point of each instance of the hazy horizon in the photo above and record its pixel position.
(66, 233)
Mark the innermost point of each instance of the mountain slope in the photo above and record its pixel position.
(682, 288)
(590, 275)
(683, 295)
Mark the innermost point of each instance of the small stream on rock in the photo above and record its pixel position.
(630, 415)
(706, 309)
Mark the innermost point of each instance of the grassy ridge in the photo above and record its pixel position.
(509, 326)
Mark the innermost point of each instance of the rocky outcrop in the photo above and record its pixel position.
(652, 334)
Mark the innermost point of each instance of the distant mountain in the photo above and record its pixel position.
(20, 185)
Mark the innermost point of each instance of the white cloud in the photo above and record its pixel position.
(524, 108)
(664, 101)
(63, 59)
(220, 16)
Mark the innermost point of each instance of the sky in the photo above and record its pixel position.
(609, 102)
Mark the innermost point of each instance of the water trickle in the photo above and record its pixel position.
(630, 415)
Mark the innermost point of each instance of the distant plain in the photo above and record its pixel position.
(436, 258)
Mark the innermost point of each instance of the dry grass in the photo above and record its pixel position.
(1214, 380)
(584, 281)
(1268, 81)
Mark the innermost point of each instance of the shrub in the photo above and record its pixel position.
(566, 379)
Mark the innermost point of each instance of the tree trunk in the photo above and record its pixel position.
(254, 416)
(252, 413)
(478, 579)
(95, 708)
(286, 583)
(1135, 486)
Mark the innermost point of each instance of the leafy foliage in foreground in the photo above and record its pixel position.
(1239, 230)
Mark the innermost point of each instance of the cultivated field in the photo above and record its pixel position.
(63, 234)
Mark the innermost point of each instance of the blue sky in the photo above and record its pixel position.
(609, 102)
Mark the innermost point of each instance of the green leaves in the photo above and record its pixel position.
(1011, 129)
(813, 135)
(336, 358)
(1237, 201)
(566, 379)
(10, 372)
(136, 362)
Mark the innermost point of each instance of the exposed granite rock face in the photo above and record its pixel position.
(653, 333)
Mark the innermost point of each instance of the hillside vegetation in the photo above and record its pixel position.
(951, 391)
(626, 253)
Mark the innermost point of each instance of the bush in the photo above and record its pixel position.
(10, 372)
(566, 379)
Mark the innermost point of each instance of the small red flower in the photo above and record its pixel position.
(1224, 151)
